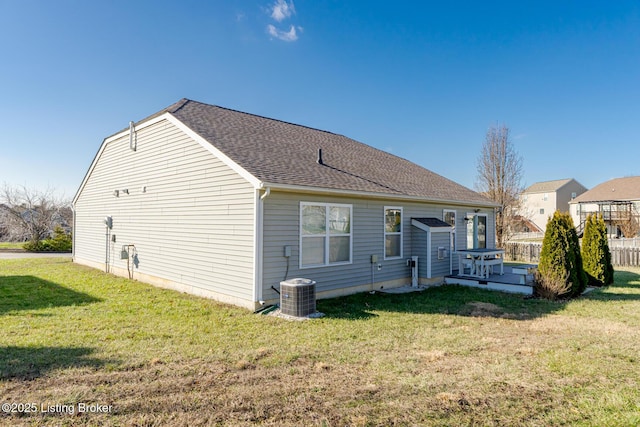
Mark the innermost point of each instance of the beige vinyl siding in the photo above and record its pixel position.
(282, 228)
(192, 224)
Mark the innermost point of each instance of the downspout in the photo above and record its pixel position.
(266, 193)
(73, 234)
(429, 254)
(259, 238)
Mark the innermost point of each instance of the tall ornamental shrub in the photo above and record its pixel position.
(596, 256)
(560, 270)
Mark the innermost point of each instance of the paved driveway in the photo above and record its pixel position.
(17, 255)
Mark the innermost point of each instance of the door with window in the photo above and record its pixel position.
(476, 231)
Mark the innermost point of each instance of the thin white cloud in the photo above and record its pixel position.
(287, 36)
(282, 10)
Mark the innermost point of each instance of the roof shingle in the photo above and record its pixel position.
(281, 153)
(619, 189)
(547, 186)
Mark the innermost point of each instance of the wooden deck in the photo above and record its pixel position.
(507, 282)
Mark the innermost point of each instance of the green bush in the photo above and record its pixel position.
(560, 265)
(60, 242)
(596, 256)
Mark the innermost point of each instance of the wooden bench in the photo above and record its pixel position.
(489, 263)
(524, 271)
(466, 264)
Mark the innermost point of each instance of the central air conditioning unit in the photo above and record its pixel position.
(298, 297)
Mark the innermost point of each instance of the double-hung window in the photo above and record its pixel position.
(325, 234)
(392, 232)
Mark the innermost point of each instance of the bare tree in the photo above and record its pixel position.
(628, 222)
(499, 178)
(29, 214)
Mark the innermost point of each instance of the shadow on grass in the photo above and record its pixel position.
(446, 299)
(32, 293)
(626, 287)
(468, 301)
(28, 363)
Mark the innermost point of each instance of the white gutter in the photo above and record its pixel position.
(372, 195)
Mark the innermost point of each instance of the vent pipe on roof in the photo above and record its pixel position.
(132, 138)
(320, 162)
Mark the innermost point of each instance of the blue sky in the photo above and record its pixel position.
(423, 80)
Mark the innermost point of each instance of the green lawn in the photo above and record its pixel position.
(11, 245)
(446, 356)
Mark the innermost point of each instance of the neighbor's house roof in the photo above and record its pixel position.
(548, 186)
(619, 189)
(284, 155)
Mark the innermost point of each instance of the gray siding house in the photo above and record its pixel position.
(225, 204)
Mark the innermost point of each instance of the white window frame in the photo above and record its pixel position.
(327, 234)
(473, 217)
(395, 233)
(455, 226)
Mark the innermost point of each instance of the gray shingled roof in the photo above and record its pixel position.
(619, 189)
(433, 222)
(547, 186)
(280, 153)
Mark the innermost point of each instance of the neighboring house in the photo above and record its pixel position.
(540, 200)
(521, 224)
(226, 204)
(617, 200)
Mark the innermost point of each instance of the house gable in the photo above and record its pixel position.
(188, 216)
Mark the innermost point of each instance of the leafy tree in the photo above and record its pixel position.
(499, 176)
(560, 265)
(596, 256)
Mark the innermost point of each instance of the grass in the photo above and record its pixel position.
(11, 245)
(446, 356)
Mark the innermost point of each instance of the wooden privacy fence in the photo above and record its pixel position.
(625, 257)
(522, 251)
(530, 252)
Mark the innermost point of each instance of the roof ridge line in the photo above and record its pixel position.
(267, 118)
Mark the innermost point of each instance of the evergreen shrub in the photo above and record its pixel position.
(596, 256)
(561, 274)
(59, 242)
